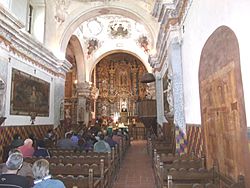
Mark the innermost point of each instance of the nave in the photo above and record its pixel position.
(136, 170)
(66, 64)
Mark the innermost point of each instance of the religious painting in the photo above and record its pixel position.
(29, 94)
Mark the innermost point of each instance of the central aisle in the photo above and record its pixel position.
(136, 169)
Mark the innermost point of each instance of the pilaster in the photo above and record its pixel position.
(83, 103)
(177, 84)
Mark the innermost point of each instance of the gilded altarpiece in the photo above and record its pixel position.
(118, 79)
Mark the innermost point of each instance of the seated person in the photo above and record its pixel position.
(17, 141)
(27, 149)
(41, 151)
(66, 142)
(101, 145)
(25, 170)
(50, 135)
(89, 143)
(116, 137)
(10, 178)
(40, 170)
(110, 140)
(74, 138)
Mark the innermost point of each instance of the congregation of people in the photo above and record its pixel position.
(36, 175)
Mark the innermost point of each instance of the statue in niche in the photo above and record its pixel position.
(170, 99)
(68, 125)
(81, 114)
(104, 111)
(62, 110)
(123, 78)
(124, 106)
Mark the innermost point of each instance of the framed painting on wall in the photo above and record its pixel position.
(29, 94)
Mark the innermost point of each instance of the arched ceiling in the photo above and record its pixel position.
(111, 32)
(82, 14)
(107, 27)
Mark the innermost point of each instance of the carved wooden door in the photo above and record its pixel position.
(220, 118)
(222, 105)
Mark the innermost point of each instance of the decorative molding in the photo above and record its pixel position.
(171, 17)
(84, 89)
(23, 45)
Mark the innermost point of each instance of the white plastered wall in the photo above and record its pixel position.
(203, 18)
(24, 66)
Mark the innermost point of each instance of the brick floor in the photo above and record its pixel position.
(136, 170)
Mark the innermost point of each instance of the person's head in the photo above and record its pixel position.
(32, 136)
(81, 142)
(68, 135)
(14, 150)
(14, 161)
(101, 136)
(40, 169)
(16, 136)
(28, 142)
(110, 135)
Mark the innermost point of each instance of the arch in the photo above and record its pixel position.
(222, 104)
(82, 14)
(117, 76)
(148, 68)
(79, 57)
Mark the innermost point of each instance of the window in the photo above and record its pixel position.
(30, 12)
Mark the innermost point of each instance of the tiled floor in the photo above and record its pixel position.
(136, 169)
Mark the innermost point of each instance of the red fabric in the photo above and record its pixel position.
(27, 151)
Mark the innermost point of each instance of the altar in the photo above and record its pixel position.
(117, 78)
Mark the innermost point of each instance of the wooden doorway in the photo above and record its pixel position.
(222, 104)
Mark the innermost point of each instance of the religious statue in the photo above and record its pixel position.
(124, 106)
(61, 110)
(67, 120)
(104, 111)
(81, 114)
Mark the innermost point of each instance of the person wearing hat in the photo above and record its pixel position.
(10, 178)
(25, 170)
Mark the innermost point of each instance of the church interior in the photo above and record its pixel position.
(171, 75)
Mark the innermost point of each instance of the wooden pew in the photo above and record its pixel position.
(83, 170)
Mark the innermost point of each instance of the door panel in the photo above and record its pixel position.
(221, 119)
